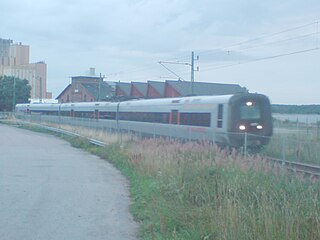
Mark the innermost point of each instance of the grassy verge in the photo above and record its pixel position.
(196, 191)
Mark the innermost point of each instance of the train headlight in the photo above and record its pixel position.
(242, 127)
(249, 104)
(259, 127)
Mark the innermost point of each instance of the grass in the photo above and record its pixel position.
(197, 191)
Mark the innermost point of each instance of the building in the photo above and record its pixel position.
(156, 89)
(15, 62)
(184, 88)
(5, 51)
(139, 90)
(86, 89)
(173, 88)
(123, 89)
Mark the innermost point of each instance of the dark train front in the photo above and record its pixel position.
(250, 120)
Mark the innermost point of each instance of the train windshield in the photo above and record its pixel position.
(250, 111)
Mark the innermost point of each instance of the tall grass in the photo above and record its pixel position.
(202, 192)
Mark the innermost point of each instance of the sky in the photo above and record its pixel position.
(270, 47)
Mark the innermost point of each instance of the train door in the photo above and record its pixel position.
(175, 117)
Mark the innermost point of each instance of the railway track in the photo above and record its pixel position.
(299, 167)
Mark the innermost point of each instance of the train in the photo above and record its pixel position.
(228, 120)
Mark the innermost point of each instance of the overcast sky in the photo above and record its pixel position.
(238, 41)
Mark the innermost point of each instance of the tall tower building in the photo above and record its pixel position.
(5, 51)
(19, 54)
(15, 62)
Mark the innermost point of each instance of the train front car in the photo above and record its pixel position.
(250, 120)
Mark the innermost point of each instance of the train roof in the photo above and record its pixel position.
(149, 102)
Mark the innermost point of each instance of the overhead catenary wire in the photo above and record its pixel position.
(262, 59)
(228, 49)
(265, 36)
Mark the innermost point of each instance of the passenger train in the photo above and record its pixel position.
(222, 119)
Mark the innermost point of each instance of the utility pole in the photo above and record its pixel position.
(14, 94)
(99, 88)
(187, 64)
(40, 100)
(192, 71)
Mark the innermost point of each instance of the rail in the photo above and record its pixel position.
(309, 169)
(71, 134)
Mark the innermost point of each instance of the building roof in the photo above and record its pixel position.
(125, 87)
(89, 79)
(205, 88)
(106, 90)
(142, 87)
(158, 86)
(64, 90)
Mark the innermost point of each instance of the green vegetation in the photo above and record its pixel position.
(296, 109)
(12, 91)
(195, 191)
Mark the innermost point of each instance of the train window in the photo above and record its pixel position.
(83, 114)
(195, 119)
(108, 115)
(65, 113)
(248, 112)
(152, 117)
(220, 116)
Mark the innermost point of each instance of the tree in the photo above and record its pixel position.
(13, 90)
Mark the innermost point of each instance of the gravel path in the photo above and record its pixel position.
(50, 190)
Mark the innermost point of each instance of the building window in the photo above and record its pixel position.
(85, 98)
(68, 99)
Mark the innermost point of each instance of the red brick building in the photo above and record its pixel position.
(86, 89)
(123, 89)
(139, 90)
(173, 88)
(156, 89)
(185, 88)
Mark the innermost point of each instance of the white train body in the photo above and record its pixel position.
(222, 119)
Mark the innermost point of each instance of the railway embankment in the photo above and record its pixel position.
(197, 191)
